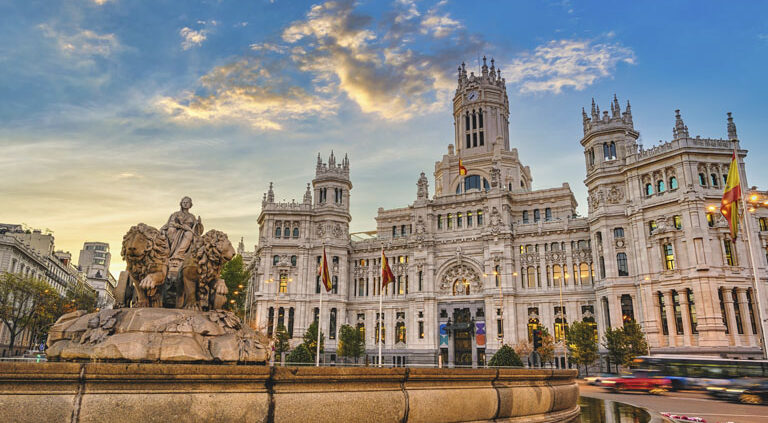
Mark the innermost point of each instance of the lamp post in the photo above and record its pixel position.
(755, 200)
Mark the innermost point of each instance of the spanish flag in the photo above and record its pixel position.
(462, 169)
(325, 273)
(386, 272)
(730, 203)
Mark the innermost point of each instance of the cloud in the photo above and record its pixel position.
(102, 2)
(441, 25)
(566, 63)
(82, 42)
(245, 91)
(191, 38)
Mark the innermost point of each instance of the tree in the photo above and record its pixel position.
(582, 345)
(26, 303)
(300, 354)
(547, 349)
(505, 357)
(281, 341)
(351, 342)
(523, 348)
(310, 340)
(80, 297)
(614, 340)
(636, 343)
(236, 277)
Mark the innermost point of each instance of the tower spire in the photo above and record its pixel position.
(731, 128)
(616, 108)
(680, 130)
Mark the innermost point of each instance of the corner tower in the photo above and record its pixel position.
(480, 110)
(332, 186)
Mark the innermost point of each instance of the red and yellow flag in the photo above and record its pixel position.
(325, 273)
(386, 272)
(730, 203)
(462, 169)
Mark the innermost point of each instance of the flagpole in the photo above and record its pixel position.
(381, 316)
(748, 230)
(319, 319)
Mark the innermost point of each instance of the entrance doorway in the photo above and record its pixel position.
(462, 338)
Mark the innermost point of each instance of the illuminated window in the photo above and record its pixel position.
(711, 220)
(728, 250)
(678, 221)
(479, 218)
(556, 274)
(380, 328)
(561, 324)
(652, 226)
(702, 180)
(648, 190)
(283, 283)
(692, 311)
(400, 328)
(421, 330)
(469, 219)
(497, 274)
(449, 221)
(588, 313)
(627, 309)
(669, 257)
(459, 219)
(531, 273)
(763, 224)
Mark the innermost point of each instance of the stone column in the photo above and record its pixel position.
(751, 338)
(671, 322)
(687, 333)
(732, 327)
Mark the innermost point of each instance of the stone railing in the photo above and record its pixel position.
(131, 392)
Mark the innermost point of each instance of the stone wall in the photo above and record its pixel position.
(95, 392)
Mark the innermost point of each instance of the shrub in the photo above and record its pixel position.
(505, 357)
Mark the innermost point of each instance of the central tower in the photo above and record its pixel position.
(480, 111)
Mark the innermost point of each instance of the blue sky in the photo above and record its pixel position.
(112, 110)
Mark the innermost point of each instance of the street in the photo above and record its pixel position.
(692, 404)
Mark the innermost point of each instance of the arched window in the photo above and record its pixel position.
(531, 273)
(702, 180)
(673, 183)
(293, 260)
(474, 120)
(474, 181)
(547, 214)
(627, 310)
(449, 221)
(525, 216)
(613, 150)
(678, 313)
(439, 221)
(335, 284)
(561, 324)
(461, 286)
(536, 215)
(713, 179)
(557, 274)
(648, 190)
(497, 274)
(584, 273)
(296, 232)
(400, 332)
(459, 219)
(278, 231)
(480, 118)
(606, 152)
(275, 259)
(466, 122)
(332, 325)
(469, 219)
(479, 218)
(660, 187)
(621, 263)
(286, 232)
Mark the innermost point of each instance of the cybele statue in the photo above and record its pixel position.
(168, 303)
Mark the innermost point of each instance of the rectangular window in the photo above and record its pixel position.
(283, 283)
(439, 221)
(482, 139)
(449, 222)
(737, 312)
(678, 313)
(711, 220)
(618, 233)
(525, 216)
(692, 311)
(421, 330)
(536, 215)
(469, 143)
(547, 214)
(621, 263)
(678, 221)
(474, 139)
(499, 324)
(479, 218)
(421, 279)
(651, 227)
(669, 257)
(722, 310)
(663, 312)
(763, 224)
(728, 249)
(469, 219)
(561, 324)
(459, 219)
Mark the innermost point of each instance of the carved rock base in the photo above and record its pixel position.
(155, 335)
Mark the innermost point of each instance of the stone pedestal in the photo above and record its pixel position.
(156, 335)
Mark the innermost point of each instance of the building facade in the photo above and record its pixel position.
(487, 259)
(94, 261)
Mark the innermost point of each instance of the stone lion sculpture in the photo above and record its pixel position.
(145, 251)
(203, 288)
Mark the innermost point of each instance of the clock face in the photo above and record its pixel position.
(472, 96)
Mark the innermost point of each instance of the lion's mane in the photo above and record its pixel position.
(152, 258)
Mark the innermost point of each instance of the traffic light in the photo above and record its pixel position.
(536, 339)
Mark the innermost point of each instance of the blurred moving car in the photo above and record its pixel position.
(747, 391)
(733, 390)
(595, 380)
(640, 380)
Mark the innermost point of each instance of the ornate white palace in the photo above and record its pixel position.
(487, 259)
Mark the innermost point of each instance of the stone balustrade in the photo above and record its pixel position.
(137, 392)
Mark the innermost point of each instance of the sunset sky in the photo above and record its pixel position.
(112, 110)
